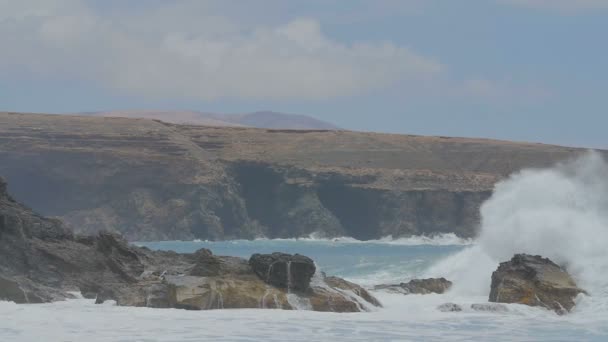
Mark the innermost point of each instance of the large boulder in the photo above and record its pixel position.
(292, 272)
(534, 281)
(418, 286)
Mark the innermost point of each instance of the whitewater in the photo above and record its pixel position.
(559, 212)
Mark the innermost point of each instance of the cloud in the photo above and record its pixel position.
(501, 91)
(560, 5)
(187, 50)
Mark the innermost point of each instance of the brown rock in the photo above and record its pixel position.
(534, 281)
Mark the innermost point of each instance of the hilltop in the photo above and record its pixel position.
(152, 180)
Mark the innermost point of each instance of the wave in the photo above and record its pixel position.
(447, 239)
(559, 212)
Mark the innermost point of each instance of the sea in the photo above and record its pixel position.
(386, 261)
(559, 212)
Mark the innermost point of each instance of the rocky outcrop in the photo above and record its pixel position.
(418, 286)
(42, 261)
(449, 307)
(151, 181)
(284, 270)
(534, 281)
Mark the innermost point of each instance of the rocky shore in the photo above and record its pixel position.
(43, 261)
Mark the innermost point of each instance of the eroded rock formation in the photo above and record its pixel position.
(418, 286)
(150, 180)
(43, 261)
(535, 281)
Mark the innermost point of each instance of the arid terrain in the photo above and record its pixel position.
(152, 180)
(261, 119)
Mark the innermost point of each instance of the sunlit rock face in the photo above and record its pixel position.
(534, 281)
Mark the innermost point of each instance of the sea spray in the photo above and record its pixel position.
(560, 213)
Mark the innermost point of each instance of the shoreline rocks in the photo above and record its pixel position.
(284, 270)
(535, 281)
(418, 286)
(43, 261)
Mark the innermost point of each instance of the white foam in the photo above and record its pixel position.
(560, 213)
(446, 239)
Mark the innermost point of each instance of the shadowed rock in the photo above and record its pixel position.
(449, 307)
(42, 261)
(418, 286)
(490, 307)
(284, 270)
(534, 281)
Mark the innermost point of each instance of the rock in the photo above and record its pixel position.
(206, 265)
(490, 307)
(449, 307)
(205, 293)
(42, 261)
(9, 289)
(534, 281)
(284, 270)
(342, 284)
(418, 286)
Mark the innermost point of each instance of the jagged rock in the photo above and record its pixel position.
(418, 286)
(10, 289)
(206, 265)
(534, 281)
(284, 270)
(490, 307)
(42, 261)
(449, 307)
(342, 284)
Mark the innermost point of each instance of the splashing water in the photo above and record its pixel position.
(560, 213)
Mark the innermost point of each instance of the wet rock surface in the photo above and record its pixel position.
(449, 307)
(535, 281)
(418, 286)
(284, 270)
(43, 261)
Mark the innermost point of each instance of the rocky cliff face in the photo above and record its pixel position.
(156, 181)
(42, 261)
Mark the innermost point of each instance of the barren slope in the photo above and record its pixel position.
(154, 180)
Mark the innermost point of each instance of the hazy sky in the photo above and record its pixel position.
(534, 70)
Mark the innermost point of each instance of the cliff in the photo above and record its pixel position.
(43, 261)
(152, 180)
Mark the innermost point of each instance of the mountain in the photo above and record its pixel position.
(263, 119)
(152, 180)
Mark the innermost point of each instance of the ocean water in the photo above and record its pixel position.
(560, 213)
(403, 318)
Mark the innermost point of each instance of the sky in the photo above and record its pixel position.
(527, 70)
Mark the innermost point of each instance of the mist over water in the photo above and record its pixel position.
(560, 213)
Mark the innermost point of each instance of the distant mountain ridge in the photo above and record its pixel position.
(260, 119)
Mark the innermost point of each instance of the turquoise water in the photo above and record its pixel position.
(403, 318)
(367, 263)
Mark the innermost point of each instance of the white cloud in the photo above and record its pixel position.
(186, 50)
(560, 5)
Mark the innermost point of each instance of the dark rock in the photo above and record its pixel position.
(42, 261)
(206, 265)
(490, 307)
(418, 286)
(284, 270)
(9, 289)
(449, 307)
(356, 289)
(534, 281)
